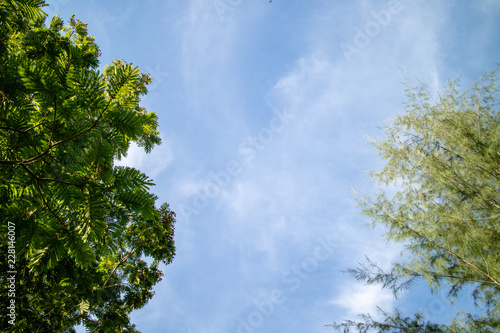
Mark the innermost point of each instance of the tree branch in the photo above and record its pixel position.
(42, 197)
(420, 235)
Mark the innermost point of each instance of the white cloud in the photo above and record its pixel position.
(362, 299)
(242, 198)
(151, 164)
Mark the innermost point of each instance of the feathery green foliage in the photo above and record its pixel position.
(444, 157)
(82, 224)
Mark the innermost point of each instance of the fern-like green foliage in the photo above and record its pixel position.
(82, 224)
(444, 156)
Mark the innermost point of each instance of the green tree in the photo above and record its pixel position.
(443, 156)
(83, 226)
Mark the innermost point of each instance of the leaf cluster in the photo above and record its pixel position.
(82, 224)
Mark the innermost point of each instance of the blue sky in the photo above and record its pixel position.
(264, 109)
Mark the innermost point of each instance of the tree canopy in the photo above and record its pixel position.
(83, 226)
(443, 156)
